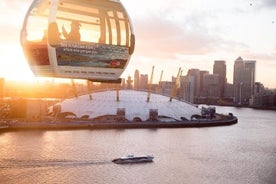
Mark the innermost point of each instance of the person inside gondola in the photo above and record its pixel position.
(53, 34)
(74, 34)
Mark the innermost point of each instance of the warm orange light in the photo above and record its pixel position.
(13, 64)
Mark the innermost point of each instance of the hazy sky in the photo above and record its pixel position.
(172, 34)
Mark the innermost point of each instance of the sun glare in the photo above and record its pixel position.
(14, 65)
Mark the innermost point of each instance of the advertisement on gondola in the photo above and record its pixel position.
(91, 55)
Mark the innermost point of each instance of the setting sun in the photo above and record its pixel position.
(14, 65)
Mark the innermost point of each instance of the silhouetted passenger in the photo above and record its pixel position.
(53, 34)
(74, 34)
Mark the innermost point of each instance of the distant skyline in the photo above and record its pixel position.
(172, 34)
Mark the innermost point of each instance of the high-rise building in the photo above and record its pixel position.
(211, 87)
(129, 82)
(259, 92)
(136, 80)
(202, 73)
(244, 79)
(238, 80)
(143, 82)
(258, 88)
(229, 91)
(250, 66)
(196, 74)
(166, 87)
(220, 69)
(263, 97)
(187, 88)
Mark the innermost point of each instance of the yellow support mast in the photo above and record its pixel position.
(117, 86)
(159, 84)
(150, 84)
(89, 88)
(173, 93)
(75, 91)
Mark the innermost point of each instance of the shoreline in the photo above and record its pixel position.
(77, 125)
(273, 108)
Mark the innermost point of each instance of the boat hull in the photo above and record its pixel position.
(132, 159)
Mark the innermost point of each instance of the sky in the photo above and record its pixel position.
(171, 34)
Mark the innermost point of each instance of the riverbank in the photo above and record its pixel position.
(239, 106)
(117, 125)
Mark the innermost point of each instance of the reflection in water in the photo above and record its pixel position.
(241, 153)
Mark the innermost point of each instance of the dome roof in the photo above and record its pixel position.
(134, 102)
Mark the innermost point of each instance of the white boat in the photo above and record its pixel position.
(133, 159)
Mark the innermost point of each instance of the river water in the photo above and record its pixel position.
(241, 153)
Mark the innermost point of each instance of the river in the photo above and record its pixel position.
(241, 153)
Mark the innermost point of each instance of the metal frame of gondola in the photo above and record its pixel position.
(106, 23)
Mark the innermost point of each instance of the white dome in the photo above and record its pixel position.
(134, 102)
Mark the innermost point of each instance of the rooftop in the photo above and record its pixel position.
(133, 102)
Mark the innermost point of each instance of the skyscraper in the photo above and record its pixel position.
(129, 82)
(244, 79)
(220, 69)
(211, 85)
(187, 88)
(143, 82)
(250, 66)
(202, 73)
(136, 80)
(196, 74)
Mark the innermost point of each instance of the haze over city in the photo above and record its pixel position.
(172, 34)
(195, 104)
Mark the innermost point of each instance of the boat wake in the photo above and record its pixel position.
(15, 163)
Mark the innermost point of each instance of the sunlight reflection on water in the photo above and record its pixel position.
(241, 153)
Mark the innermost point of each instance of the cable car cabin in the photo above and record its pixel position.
(82, 39)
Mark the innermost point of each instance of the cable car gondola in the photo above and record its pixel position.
(78, 39)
